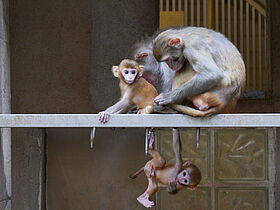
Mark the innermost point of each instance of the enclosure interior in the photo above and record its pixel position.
(61, 55)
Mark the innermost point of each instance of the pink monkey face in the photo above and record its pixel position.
(183, 177)
(129, 75)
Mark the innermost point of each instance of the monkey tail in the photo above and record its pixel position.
(193, 112)
(134, 175)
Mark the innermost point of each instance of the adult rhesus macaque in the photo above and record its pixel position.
(156, 73)
(134, 90)
(175, 176)
(209, 70)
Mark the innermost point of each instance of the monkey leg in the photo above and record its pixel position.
(193, 112)
(151, 189)
(158, 161)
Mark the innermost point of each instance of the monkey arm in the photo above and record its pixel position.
(119, 107)
(177, 149)
(208, 75)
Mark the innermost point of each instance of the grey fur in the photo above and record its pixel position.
(161, 74)
(216, 61)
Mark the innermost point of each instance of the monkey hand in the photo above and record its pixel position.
(165, 98)
(104, 117)
(172, 186)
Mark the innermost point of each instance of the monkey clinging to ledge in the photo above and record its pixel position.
(134, 90)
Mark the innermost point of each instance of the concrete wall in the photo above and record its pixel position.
(5, 107)
(50, 56)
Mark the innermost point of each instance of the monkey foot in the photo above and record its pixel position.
(144, 200)
(141, 111)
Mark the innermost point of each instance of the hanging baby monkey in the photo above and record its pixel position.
(175, 176)
(134, 90)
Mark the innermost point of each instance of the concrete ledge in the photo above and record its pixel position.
(133, 120)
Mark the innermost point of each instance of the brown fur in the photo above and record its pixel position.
(141, 92)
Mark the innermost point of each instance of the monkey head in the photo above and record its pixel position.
(168, 47)
(142, 52)
(128, 71)
(190, 176)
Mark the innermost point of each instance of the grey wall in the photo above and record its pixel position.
(50, 71)
(116, 25)
(50, 56)
(5, 107)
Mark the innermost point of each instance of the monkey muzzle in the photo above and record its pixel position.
(175, 65)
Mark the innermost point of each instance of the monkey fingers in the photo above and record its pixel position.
(172, 185)
(164, 98)
(104, 117)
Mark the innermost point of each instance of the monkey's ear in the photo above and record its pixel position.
(141, 55)
(187, 163)
(115, 70)
(141, 67)
(177, 42)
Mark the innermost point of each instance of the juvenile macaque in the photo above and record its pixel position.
(134, 90)
(209, 70)
(175, 176)
(156, 73)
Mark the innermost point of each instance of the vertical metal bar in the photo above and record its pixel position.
(92, 135)
(179, 5)
(212, 167)
(235, 21)
(223, 17)
(248, 45)
(217, 15)
(167, 5)
(198, 13)
(210, 14)
(197, 137)
(161, 5)
(254, 47)
(241, 28)
(205, 13)
(173, 5)
(260, 50)
(186, 12)
(229, 19)
(192, 13)
(146, 141)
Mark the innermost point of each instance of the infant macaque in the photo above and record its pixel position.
(175, 176)
(134, 90)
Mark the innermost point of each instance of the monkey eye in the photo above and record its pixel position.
(126, 72)
(186, 181)
(133, 72)
(184, 174)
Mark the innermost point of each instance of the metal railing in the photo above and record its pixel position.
(145, 120)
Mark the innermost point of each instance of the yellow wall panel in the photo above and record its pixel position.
(171, 18)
